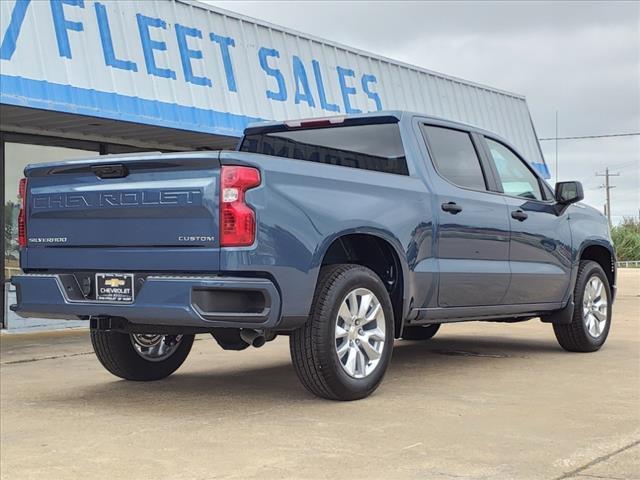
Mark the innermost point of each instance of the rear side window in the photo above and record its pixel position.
(455, 157)
(375, 147)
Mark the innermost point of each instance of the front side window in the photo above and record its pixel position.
(455, 157)
(517, 180)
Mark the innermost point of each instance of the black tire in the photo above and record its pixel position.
(117, 354)
(313, 347)
(420, 332)
(575, 337)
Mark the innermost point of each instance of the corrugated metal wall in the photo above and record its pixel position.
(186, 65)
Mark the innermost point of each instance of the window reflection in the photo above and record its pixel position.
(18, 156)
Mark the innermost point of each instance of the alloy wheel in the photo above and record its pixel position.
(155, 347)
(360, 333)
(594, 306)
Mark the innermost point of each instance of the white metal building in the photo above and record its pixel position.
(80, 76)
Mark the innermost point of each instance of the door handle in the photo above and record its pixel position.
(451, 207)
(519, 215)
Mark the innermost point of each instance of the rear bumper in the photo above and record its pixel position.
(204, 302)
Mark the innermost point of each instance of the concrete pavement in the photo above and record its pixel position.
(479, 401)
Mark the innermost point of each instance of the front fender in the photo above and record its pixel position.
(589, 228)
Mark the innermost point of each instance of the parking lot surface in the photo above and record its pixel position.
(479, 401)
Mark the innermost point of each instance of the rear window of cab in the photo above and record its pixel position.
(377, 146)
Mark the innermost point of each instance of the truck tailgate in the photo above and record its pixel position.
(124, 208)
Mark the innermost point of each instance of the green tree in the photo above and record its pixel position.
(626, 239)
(11, 251)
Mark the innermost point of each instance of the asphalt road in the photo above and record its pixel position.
(479, 401)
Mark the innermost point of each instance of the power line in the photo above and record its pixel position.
(610, 135)
(625, 164)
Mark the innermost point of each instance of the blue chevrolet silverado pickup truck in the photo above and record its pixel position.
(344, 233)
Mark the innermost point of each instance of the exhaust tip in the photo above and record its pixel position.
(253, 337)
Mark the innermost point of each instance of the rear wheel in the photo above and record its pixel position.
(591, 321)
(140, 357)
(344, 349)
(420, 332)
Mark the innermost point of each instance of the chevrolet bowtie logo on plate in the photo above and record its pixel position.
(114, 282)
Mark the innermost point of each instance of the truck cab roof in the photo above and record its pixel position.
(382, 116)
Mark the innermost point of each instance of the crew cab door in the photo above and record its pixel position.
(540, 246)
(472, 237)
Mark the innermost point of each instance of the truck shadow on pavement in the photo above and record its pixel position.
(238, 389)
(478, 346)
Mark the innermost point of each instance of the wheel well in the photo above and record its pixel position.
(602, 256)
(378, 255)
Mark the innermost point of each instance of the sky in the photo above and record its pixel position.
(581, 59)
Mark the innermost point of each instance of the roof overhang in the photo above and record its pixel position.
(33, 121)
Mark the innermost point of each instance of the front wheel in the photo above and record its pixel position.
(591, 321)
(140, 357)
(344, 349)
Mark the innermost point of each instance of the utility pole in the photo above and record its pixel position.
(607, 186)
(557, 176)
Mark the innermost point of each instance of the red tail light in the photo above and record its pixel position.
(22, 215)
(237, 219)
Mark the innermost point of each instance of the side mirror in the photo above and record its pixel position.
(569, 192)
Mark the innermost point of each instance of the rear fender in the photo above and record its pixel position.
(383, 235)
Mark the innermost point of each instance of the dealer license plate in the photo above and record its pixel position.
(114, 287)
